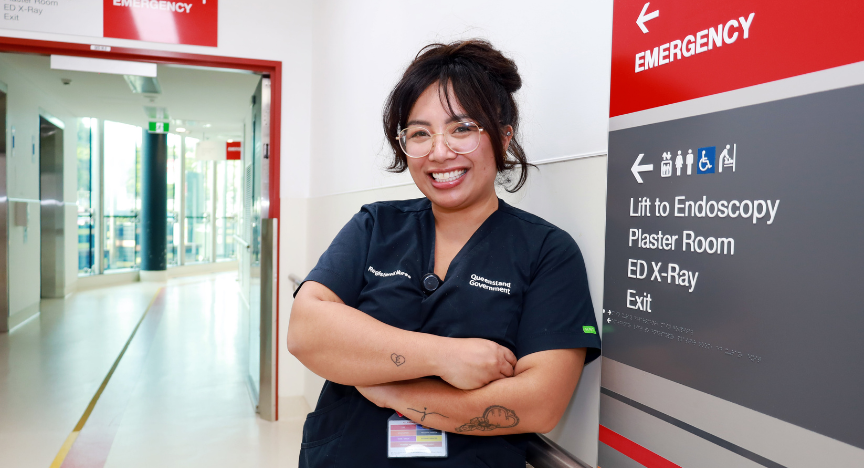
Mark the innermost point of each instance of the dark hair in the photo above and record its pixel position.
(483, 81)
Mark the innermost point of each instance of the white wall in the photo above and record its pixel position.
(562, 49)
(24, 104)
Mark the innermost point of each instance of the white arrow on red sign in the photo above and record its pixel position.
(640, 21)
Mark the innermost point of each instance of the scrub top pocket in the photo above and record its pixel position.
(322, 433)
(499, 453)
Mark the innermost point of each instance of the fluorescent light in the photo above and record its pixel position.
(181, 130)
(230, 141)
(93, 65)
(143, 84)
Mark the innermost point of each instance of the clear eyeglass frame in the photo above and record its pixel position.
(403, 133)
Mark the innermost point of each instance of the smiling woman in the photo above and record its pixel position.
(403, 293)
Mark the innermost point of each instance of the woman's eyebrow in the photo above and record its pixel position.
(453, 118)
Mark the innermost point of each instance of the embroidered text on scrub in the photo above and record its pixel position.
(394, 273)
(490, 285)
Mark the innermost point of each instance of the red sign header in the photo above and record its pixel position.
(667, 51)
(234, 150)
(192, 22)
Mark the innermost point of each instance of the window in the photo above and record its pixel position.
(199, 206)
(122, 195)
(172, 254)
(86, 220)
(228, 182)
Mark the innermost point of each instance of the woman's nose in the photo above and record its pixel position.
(440, 151)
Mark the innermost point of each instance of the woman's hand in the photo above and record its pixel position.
(469, 363)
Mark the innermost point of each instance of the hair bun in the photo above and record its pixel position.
(497, 66)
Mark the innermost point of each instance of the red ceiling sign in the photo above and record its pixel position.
(668, 51)
(234, 149)
(192, 22)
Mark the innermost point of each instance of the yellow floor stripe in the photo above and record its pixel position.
(64, 450)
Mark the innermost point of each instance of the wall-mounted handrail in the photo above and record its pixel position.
(295, 281)
(241, 241)
(543, 453)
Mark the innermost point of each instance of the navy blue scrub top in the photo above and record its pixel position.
(519, 281)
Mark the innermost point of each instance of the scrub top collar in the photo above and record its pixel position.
(429, 236)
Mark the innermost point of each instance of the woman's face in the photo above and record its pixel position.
(449, 180)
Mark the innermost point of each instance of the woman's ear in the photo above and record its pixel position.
(508, 135)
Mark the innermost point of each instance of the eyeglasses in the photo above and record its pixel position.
(461, 137)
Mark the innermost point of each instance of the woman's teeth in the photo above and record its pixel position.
(448, 176)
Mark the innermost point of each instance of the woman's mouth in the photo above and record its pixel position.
(445, 177)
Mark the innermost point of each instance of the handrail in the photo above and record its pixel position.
(295, 281)
(543, 453)
(241, 241)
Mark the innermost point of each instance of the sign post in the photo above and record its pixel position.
(733, 239)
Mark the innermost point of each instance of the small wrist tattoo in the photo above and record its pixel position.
(426, 413)
(397, 359)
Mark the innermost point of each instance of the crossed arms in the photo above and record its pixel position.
(485, 390)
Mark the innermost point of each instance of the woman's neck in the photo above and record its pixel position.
(462, 222)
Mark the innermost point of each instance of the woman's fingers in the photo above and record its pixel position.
(510, 357)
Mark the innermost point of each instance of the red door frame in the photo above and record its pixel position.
(273, 68)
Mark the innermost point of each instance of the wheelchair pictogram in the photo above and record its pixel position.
(707, 157)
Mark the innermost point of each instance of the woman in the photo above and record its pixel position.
(489, 301)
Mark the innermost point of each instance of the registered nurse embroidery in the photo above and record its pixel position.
(392, 273)
(489, 285)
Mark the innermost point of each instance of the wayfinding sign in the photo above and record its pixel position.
(192, 22)
(735, 212)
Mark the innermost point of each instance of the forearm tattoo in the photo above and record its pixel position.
(397, 359)
(426, 413)
(495, 417)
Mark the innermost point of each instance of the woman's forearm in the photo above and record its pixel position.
(349, 347)
(531, 401)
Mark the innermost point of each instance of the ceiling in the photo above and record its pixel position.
(209, 103)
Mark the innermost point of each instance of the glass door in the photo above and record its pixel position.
(4, 215)
(255, 202)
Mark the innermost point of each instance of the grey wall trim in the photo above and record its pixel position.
(693, 430)
(833, 78)
(786, 443)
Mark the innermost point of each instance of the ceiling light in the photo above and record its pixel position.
(207, 125)
(230, 141)
(143, 84)
(94, 65)
(159, 113)
(181, 130)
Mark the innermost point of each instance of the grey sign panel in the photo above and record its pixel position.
(750, 286)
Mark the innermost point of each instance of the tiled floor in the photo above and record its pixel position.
(177, 398)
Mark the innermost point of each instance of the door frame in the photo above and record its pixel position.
(164, 57)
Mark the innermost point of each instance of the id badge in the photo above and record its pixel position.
(407, 439)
